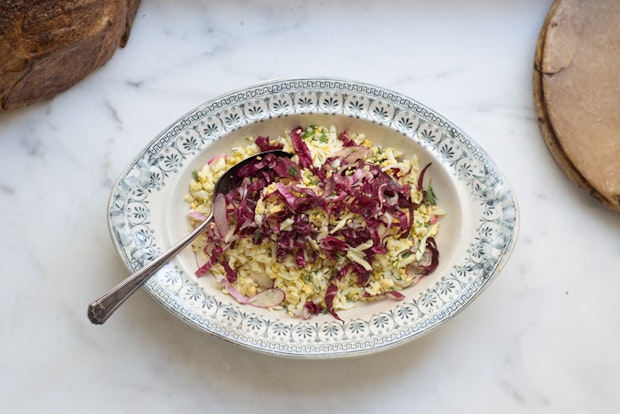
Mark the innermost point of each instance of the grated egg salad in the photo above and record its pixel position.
(347, 221)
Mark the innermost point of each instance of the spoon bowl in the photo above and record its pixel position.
(102, 308)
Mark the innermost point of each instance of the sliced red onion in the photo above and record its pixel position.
(395, 294)
(219, 215)
(233, 292)
(348, 184)
(197, 215)
(359, 153)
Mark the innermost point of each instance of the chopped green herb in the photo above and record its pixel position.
(431, 198)
(309, 131)
(195, 175)
(293, 172)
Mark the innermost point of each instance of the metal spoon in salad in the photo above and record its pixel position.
(101, 308)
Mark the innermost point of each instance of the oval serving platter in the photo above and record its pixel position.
(147, 214)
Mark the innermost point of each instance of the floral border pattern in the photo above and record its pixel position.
(496, 228)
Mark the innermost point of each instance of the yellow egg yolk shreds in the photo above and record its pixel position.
(340, 222)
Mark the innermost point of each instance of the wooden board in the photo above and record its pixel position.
(576, 82)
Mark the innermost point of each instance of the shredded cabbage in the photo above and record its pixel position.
(342, 221)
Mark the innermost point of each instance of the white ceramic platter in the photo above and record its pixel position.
(147, 214)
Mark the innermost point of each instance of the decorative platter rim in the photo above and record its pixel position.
(488, 205)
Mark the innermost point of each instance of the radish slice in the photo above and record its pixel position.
(219, 215)
(267, 298)
(262, 279)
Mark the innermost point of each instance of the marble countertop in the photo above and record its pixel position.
(542, 338)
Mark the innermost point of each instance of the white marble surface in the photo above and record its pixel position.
(542, 338)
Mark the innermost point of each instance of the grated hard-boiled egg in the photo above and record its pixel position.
(253, 256)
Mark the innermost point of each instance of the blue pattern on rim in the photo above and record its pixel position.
(496, 229)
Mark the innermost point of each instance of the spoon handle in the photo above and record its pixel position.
(101, 308)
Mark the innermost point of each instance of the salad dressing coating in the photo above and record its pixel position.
(342, 221)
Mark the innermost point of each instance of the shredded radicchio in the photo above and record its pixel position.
(347, 183)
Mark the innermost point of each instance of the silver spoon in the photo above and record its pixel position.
(101, 308)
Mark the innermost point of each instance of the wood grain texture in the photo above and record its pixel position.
(576, 83)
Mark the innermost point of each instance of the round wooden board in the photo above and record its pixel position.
(576, 83)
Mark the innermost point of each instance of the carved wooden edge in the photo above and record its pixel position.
(546, 126)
